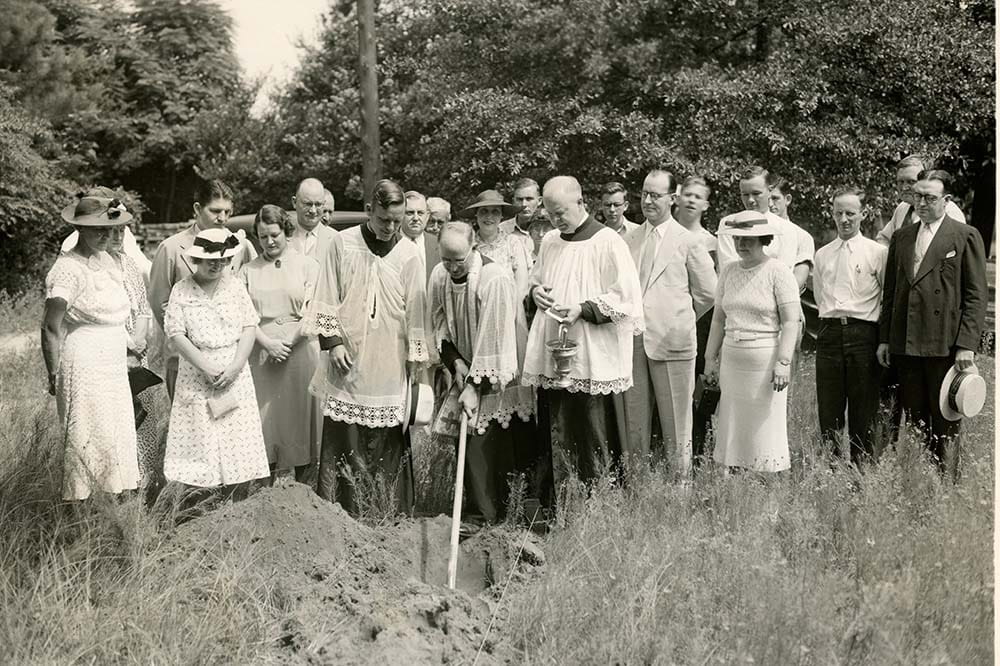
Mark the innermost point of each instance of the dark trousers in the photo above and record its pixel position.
(701, 422)
(490, 461)
(920, 380)
(847, 378)
(361, 463)
(587, 427)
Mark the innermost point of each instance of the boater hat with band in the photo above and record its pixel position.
(488, 198)
(96, 212)
(748, 223)
(214, 244)
(962, 394)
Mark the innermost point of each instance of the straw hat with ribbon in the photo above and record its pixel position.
(488, 198)
(214, 244)
(96, 212)
(962, 394)
(748, 223)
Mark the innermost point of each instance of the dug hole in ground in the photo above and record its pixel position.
(349, 594)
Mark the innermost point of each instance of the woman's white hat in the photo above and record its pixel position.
(214, 244)
(962, 394)
(748, 223)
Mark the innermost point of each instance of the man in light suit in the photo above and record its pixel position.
(934, 304)
(311, 237)
(414, 225)
(678, 282)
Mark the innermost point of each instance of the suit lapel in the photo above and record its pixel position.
(907, 243)
(936, 250)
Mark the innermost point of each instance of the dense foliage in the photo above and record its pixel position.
(475, 93)
(137, 95)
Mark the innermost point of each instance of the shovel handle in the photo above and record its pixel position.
(456, 507)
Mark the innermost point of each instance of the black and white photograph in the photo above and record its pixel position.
(498, 332)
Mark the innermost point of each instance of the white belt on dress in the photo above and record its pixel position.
(741, 336)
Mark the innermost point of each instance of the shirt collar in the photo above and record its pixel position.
(661, 228)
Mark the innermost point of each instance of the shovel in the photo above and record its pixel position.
(456, 508)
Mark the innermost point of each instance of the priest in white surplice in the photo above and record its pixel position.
(480, 331)
(369, 310)
(585, 274)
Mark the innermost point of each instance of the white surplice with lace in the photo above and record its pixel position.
(484, 319)
(601, 270)
(377, 307)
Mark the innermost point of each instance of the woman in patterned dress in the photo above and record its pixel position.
(215, 436)
(280, 282)
(754, 327)
(84, 345)
(493, 242)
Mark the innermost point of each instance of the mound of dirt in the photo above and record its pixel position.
(349, 594)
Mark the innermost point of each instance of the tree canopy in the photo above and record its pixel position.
(476, 93)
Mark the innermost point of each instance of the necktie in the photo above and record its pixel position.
(648, 254)
(842, 276)
(310, 243)
(923, 242)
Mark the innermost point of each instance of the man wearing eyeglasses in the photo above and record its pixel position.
(614, 203)
(311, 237)
(905, 213)
(480, 323)
(934, 306)
(678, 281)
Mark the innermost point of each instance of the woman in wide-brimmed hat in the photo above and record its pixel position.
(486, 214)
(754, 328)
(215, 436)
(84, 344)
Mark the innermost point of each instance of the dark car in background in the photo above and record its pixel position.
(342, 219)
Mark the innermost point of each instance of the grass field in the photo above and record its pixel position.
(819, 566)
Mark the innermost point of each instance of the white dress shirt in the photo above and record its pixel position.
(847, 278)
(925, 235)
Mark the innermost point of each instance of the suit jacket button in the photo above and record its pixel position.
(937, 291)
(937, 312)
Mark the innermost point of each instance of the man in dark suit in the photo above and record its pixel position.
(413, 227)
(933, 307)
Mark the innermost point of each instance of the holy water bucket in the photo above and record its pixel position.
(563, 351)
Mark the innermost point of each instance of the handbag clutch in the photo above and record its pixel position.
(221, 403)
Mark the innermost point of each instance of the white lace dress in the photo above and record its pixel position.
(92, 389)
(599, 269)
(201, 450)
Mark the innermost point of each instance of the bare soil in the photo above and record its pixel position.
(344, 593)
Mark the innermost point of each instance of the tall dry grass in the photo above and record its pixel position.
(821, 565)
(101, 582)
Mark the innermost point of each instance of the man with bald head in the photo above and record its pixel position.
(678, 283)
(311, 237)
(479, 323)
(413, 228)
(329, 206)
(585, 280)
(439, 212)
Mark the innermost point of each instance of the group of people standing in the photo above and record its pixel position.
(327, 346)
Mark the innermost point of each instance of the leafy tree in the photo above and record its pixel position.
(478, 92)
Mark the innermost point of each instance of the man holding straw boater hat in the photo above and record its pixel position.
(933, 307)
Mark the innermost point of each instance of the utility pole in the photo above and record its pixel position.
(371, 155)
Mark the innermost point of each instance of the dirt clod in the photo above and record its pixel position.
(344, 593)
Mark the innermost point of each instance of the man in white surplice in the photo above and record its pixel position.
(480, 331)
(586, 276)
(369, 310)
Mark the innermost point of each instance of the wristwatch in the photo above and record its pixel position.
(784, 362)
